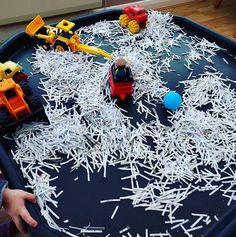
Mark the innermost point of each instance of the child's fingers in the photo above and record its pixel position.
(29, 197)
(19, 224)
(27, 218)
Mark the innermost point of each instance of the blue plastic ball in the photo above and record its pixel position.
(172, 100)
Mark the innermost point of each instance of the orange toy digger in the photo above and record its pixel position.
(16, 100)
(12, 102)
(61, 37)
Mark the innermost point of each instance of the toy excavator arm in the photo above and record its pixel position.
(50, 37)
(94, 50)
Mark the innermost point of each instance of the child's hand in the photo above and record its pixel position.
(14, 204)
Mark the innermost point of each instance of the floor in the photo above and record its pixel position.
(221, 20)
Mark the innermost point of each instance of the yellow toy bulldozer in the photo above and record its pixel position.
(61, 37)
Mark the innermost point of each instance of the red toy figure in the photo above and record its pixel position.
(134, 17)
(120, 79)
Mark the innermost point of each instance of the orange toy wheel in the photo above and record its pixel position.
(133, 27)
(124, 20)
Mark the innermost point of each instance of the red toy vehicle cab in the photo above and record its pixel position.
(134, 17)
(121, 87)
(137, 13)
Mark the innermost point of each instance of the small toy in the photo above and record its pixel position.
(172, 100)
(16, 100)
(120, 79)
(61, 37)
(134, 17)
(12, 70)
(120, 69)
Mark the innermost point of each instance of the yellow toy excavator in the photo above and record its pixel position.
(61, 37)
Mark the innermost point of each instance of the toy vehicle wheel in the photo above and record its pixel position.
(46, 46)
(5, 117)
(133, 26)
(20, 76)
(25, 87)
(34, 103)
(60, 46)
(124, 20)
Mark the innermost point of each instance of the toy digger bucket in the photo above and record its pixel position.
(34, 25)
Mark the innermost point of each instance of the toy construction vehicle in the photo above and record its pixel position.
(120, 80)
(61, 37)
(17, 104)
(12, 70)
(134, 17)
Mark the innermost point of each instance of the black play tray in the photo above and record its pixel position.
(85, 197)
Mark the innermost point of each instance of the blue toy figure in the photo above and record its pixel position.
(172, 100)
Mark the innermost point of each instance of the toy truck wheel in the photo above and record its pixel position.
(133, 27)
(46, 46)
(25, 87)
(5, 117)
(20, 76)
(124, 20)
(60, 46)
(34, 103)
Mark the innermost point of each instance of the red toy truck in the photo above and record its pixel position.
(134, 17)
(121, 86)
